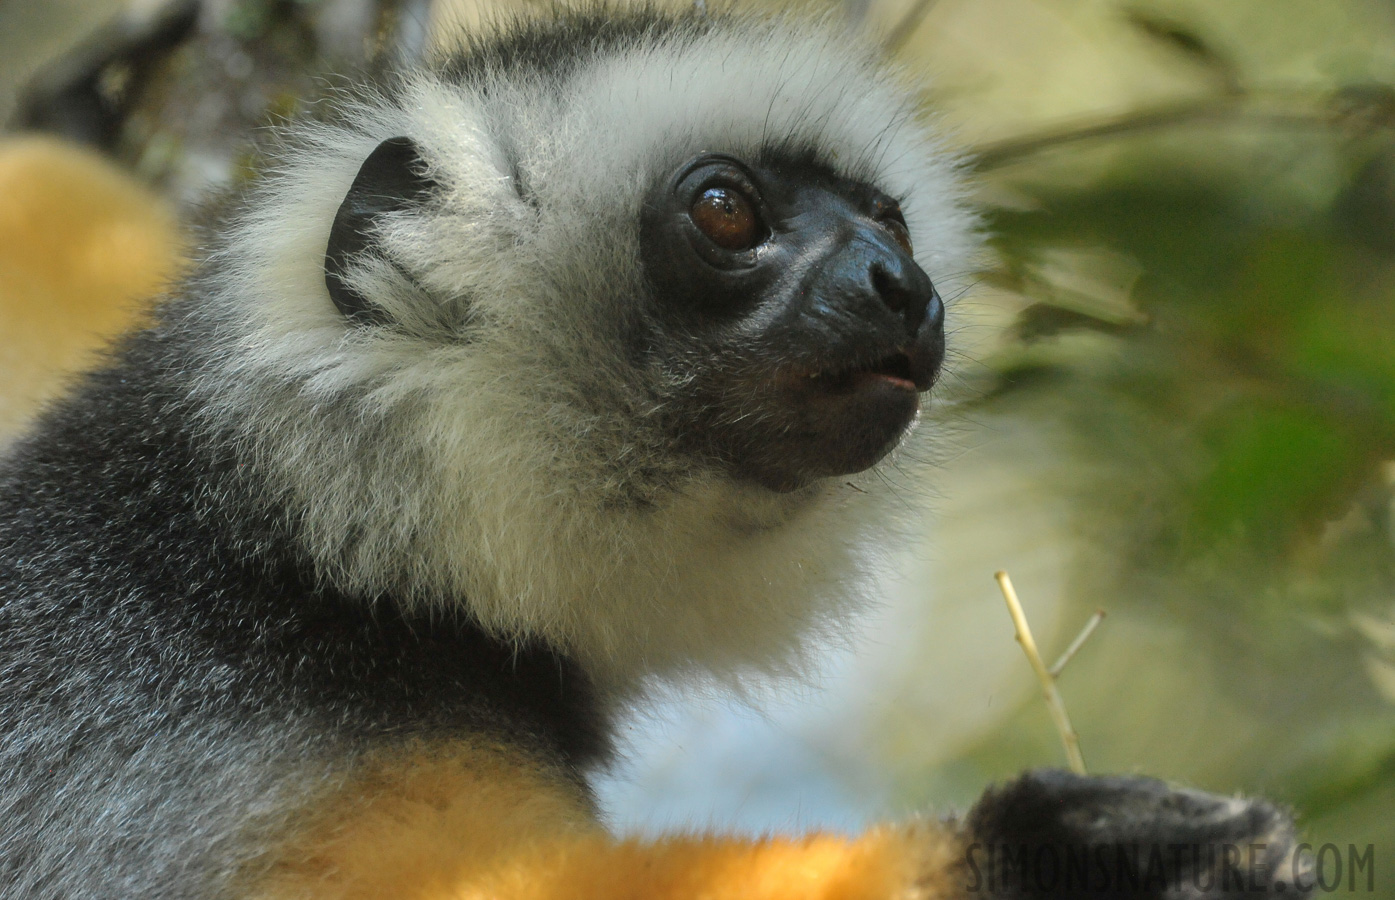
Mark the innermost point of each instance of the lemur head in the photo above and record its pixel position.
(592, 328)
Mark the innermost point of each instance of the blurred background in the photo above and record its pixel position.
(1173, 395)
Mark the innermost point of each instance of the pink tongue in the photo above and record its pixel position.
(865, 379)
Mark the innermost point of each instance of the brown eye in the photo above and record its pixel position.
(897, 226)
(727, 218)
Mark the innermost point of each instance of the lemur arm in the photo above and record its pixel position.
(468, 822)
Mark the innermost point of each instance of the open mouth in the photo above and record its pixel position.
(897, 370)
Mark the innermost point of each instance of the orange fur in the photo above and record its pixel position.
(82, 246)
(883, 864)
(416, 818)
(470, 824)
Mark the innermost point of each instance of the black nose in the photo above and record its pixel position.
(872, 277)
(904, 288)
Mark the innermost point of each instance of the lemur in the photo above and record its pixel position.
(515, 382)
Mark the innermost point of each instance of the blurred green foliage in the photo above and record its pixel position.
(1216, 325)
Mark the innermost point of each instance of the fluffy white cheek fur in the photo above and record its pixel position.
(721, 576)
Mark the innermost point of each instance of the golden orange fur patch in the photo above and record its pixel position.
(886, 863)
(469, 823)
(411, 822)
(83, 248)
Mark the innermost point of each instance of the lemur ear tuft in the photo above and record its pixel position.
(391, 179)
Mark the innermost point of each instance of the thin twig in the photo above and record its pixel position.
(1080, 639)
(1275, 110)
(1048, 684)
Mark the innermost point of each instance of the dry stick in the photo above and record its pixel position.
(1048, 684)
(1075, 645)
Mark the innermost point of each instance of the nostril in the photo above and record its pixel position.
(904, 290)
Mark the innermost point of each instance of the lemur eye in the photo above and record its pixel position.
(727, 217)
(896, 225)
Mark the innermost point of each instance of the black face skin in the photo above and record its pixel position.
(807, 327)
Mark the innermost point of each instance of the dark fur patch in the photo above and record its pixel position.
(541, 47)
(143, 587)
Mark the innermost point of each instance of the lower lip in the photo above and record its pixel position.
(867, 379)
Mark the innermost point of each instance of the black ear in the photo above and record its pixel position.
(390, 179)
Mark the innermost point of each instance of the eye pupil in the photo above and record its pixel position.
(726, 217)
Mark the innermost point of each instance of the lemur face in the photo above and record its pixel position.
(780, 303)
(719, 256)
(812, 330)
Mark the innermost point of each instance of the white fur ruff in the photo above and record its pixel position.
(493, 449)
